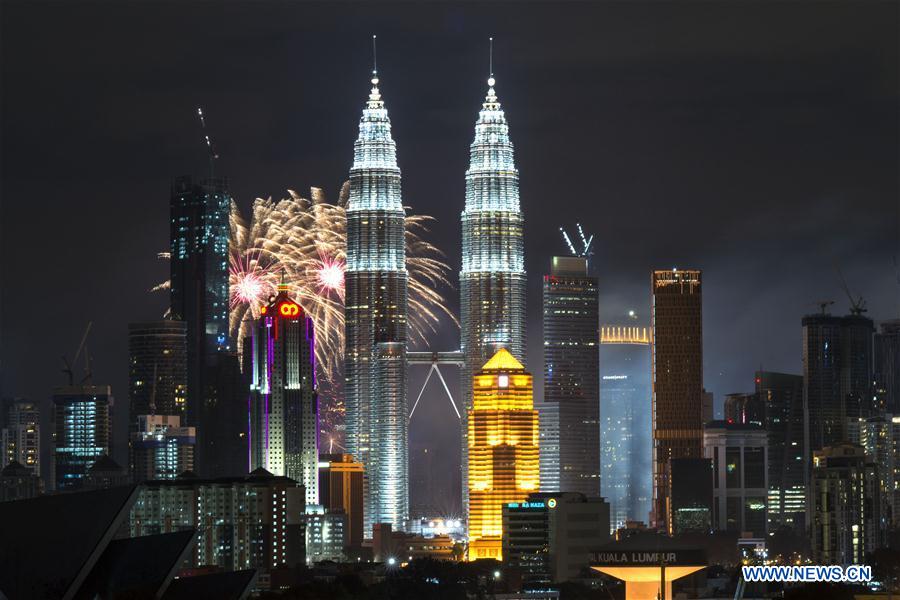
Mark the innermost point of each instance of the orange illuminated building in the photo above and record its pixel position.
(502, 449)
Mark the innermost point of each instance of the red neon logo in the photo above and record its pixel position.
(289, 309)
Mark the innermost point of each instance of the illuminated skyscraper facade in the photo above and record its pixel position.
(375, 319)
(81, 431)
(199, 235)
(677, 360)
(503, 464)
(572, 375)
(492, 279)
(283, 395)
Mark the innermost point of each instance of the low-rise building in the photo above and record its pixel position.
(740, 476)
(161, 448)
(326, 534)
(550, 537)
(18, 482)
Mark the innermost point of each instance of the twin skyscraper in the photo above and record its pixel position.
(492, 292)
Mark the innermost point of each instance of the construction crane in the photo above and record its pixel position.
(68, 366)
(857, 305)
(586, 250)
(823, 305)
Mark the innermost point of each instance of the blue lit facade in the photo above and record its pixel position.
(199, 237)
(492, 279)
(161, 448)
(283, 406)
(375, 320)
(81, 431)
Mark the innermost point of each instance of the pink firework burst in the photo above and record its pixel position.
(249, 282)
(330, 276)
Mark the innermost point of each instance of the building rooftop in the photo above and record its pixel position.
(503, 360)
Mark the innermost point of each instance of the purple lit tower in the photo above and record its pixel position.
(283, 406)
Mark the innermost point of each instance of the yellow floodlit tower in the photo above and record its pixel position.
(502, 449)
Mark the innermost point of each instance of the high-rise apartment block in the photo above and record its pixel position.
(20, 434)
(81, 431)
(492, 278)
(157, 369)
(781, 396)
(248, 522)
(677, 360)
(376, 320)
(572, 375)
(283, 394)
(887, 366)
(880, 437)
(503, 449)
(846, 506)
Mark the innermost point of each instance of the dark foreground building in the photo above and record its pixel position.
(74, 553)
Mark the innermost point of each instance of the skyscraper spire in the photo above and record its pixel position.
(375, 317)
(492, 279)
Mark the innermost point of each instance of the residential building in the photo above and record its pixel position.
(846, 506)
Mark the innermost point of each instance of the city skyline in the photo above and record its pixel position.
(523, 79)
(443, 299)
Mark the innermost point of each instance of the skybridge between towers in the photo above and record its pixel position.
(453, 358)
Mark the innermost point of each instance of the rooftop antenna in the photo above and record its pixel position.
(374, 55)
(213, 155)
(491, 57)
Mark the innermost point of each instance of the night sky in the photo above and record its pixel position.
(758, 142)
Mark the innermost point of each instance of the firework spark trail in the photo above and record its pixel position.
(305, 241)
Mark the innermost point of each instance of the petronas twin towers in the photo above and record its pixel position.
(492, 290)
